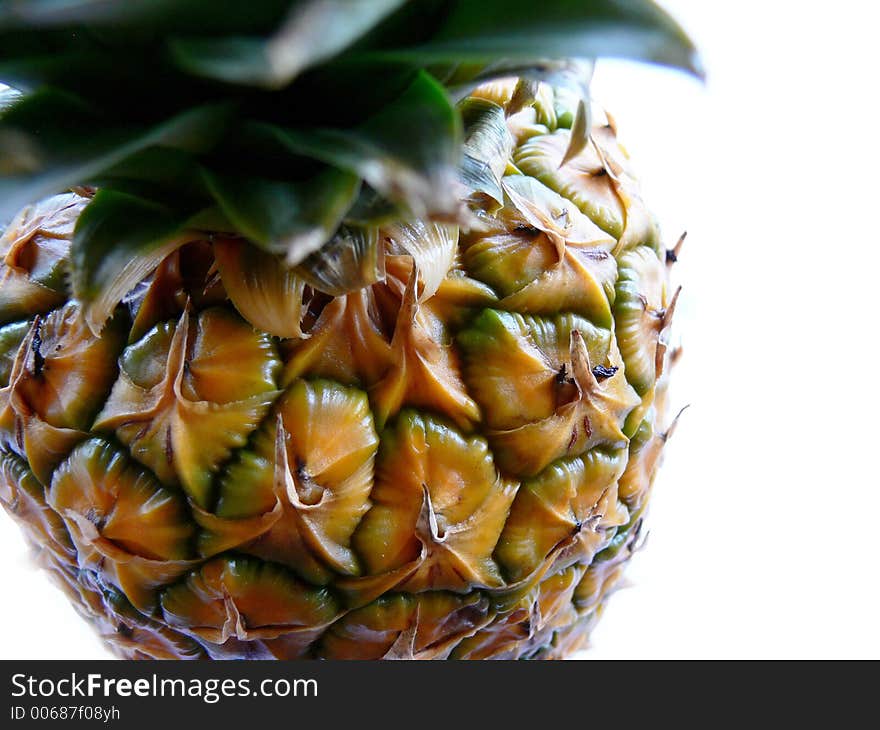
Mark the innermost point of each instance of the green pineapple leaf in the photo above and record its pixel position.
(51, 140)
(159, 173)
(206, 16)
(490, 30)
(41, 13)
(119, 239)
(312, 33)
(291, 218)
(407, 150)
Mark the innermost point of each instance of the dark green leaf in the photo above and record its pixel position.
(212, 220)
(284, 217)
(162, 174)
(28, 13)
(76, 61)
(490, 30)
(313, 32)
(203, 16)
(407, 151)
(118, 241)
(371, 209)
(50, 141)
(461, 79)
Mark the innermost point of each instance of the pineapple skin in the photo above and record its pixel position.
(453, 462)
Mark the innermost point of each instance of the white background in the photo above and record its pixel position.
(764, 517)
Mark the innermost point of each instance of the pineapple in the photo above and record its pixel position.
(329, 329)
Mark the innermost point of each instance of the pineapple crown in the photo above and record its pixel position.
(300, 125)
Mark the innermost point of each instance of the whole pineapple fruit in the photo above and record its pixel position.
(348, 339)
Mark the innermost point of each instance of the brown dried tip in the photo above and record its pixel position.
(665, 324)
(612, 122)
(673, 253)
(667, 434)
(84, 191)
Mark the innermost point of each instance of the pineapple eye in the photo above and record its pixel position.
(568, 504)
(24, 497)
(639, 314)
(189, 393)
(433, 489)
(126, 527)
(35, 255)
(300, 484)
(247, 599)
(582, 180)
